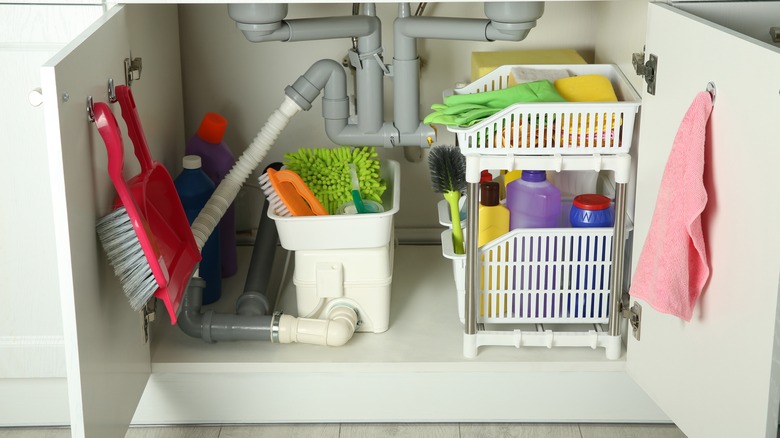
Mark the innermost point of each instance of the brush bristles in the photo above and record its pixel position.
(275, 203)
(448, 169)
(126, 256)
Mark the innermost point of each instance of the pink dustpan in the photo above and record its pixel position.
(156, 197)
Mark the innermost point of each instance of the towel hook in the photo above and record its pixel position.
(712, 90)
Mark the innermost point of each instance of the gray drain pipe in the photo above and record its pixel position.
(507, 21)
(252, 320)
(328, 76)
(265, 22)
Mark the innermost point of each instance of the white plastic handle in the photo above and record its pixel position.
(35, 97)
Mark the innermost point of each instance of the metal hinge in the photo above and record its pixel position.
(148, 311)
(634, 315)
(132, 70)
(647, 69)
(774, 34)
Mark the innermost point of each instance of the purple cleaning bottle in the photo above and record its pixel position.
(217, 160)
(533, 202)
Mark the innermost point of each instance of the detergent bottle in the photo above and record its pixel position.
(493, 217)
(533, 202)
(217, 160)
(195, 189)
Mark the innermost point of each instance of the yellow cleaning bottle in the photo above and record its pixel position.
(493, 217)
(507, 176)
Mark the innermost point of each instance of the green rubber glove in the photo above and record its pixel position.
(456, 109)
(539, 91)
(467, 118)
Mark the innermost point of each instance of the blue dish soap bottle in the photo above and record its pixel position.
(195, 188)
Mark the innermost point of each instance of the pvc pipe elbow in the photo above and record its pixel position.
(343, 325)
(258, 21)
(334, 332)
(496, 31)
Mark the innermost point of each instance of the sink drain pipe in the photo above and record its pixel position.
(253, 320)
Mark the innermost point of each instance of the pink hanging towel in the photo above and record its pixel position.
(672, 268)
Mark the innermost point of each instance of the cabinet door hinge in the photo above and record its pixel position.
(148, 312)
(132, 70)
(647, 69)
(634, 315)
(774, 34)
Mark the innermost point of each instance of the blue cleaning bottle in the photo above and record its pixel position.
(217, 160)
(195, 188)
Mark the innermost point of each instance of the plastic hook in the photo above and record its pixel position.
(597, 162)
(558, 162)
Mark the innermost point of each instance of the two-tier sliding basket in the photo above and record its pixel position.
(546, 277)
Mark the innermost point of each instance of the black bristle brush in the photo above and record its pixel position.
(448, 175)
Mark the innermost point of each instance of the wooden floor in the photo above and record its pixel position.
(382, 431)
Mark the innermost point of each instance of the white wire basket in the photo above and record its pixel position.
(566, 128)
(545, 275)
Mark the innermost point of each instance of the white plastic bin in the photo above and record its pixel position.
(359, 278)
(344, 231)
(345, 259)
(567, 128)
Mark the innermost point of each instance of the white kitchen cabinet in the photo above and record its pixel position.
(32, 352)
(716, 376)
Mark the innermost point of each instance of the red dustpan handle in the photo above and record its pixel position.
(130, 115)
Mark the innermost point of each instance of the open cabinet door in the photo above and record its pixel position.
(716, 376)
(107, 355)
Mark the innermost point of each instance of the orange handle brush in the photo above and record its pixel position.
(288, 195)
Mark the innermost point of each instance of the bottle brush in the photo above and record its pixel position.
(448, 175)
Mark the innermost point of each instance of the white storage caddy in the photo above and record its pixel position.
(553, 275)
(345, 259)
(570, 128)
(545, 275)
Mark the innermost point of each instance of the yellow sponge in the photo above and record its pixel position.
(586, 88)
(483, 63)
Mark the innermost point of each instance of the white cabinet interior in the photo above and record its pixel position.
(239, 377)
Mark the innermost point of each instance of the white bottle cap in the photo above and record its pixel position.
(191, 162)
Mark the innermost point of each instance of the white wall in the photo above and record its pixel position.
(245, 81)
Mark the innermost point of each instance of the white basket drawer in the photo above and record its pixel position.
(555, 275)
(566, 128)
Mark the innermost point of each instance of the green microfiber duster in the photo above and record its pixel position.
(448, 175)
(326, 172)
